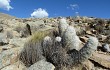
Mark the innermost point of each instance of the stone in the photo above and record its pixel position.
(106, 48)
(35, 26)
(84, 39)
(16, 66)
(1, 28)
(18, 42)
(16, 34)
(101, 37)
(102, 59)
(88, 32)
(10, 56)
(88, 65)
(41, 65)
(107, 40)
(3, 39)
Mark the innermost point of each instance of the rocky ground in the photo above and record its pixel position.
(15, 32)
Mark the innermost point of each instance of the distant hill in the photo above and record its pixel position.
(6, 16)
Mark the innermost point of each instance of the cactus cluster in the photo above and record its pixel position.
(63, 50)
(57, 53)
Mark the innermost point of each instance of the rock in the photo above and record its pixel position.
(84, 39)
(8, 33)
(6, 47)
(102, 59)
(35, 26)
(1, 28)
(10, 56)
(41, 65)
(0, 49)
(107, 40)
(106, 48)
(88, 32)
(88, 65)
(16, 66)
(3, 39)
(18, 42)
(16, 34)
(101, 37)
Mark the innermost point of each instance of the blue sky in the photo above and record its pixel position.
(94, 8)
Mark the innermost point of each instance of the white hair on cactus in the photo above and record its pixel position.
(63, 26)
(71, 29)
(63, 21)
(47, 38)
(71, 38)
(93, 41)
(85, 52)
(58, 39)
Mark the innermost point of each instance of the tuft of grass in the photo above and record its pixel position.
(32, 51)
(38, 36)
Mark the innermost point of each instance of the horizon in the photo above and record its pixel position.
(49, 8)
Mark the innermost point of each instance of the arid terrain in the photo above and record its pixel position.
(54, 43)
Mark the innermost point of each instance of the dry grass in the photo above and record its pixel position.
(32, 51)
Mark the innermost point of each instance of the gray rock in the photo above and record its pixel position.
(106, 47)
(3, 39)
(18, 42)
(102, 59)
(16, 66)
(41, 65)
(9, 56)
(1, 28)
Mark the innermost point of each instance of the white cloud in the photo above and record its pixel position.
(73, 6)
(5, 4)
(40, 13)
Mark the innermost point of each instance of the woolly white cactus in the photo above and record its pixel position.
(58, 39)
(58, 56)
(47, 41)
(71, 39)
(47, 38)
(62, 26)
(46, 45)
(86, 51)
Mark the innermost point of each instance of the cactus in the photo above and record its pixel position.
(55, 49)
(70, 39)
(84, 53)
(60, 57)
(62, 26)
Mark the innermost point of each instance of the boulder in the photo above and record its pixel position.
(83, 39)
(3, 39)
(16, 66)
(102, 59)
(106, 47)
(17, 42)
(8, 57)
(41, 65)
(88, 65)
(1, 28)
